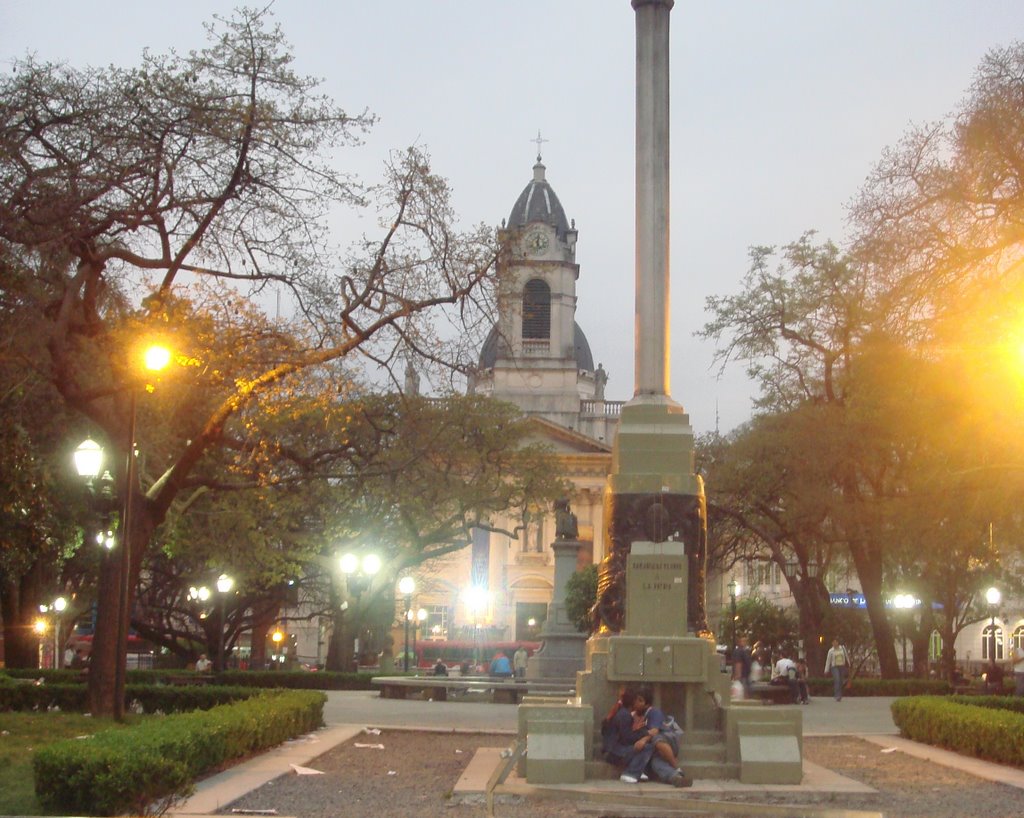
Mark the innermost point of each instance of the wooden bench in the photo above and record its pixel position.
(500, 691)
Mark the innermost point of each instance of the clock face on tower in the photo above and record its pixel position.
(536, 242)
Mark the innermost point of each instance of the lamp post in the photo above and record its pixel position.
(39, 627)
(734, 588)
(359, 571)
(993, 597)
(56, 608)
(904, 603)
(476, 603)
(421, 617)
(406, 586)
(224, 586)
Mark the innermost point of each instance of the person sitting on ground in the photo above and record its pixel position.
(625, 741)
(500, 666)
(440, 668)
(203, 664)
(785, 674)
(664, 764)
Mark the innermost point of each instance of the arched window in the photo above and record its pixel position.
(986, 643)
(536, 310)
(935, 646)
(1017, 640)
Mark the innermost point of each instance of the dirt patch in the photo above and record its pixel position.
(416, 771)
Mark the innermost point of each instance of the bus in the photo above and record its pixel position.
(456, 654)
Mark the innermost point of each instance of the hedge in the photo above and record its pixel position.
(145, 698)
(883, 687)
(143, 769)
(985, 731)
(297, 680)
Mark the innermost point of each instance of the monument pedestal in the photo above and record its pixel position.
(562, 654)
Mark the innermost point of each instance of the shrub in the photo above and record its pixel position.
(977, 729)
(118, 771)
(298, 680)
(150, 698)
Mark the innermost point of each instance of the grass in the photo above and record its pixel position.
(20, 734)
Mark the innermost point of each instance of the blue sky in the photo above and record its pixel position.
(779, 110)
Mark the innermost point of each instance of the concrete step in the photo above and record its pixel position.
(709, 770)
(692, 753)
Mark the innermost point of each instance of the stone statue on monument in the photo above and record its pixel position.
(566, 527)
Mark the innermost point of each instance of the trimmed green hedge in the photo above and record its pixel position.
(966, 725)
(143, 769)
(296, 680)
(151, 698)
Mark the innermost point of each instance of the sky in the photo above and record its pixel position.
(780, 108)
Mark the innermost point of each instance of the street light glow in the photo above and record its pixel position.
(406, 585)
(39, 626)
(993, 596)
(156, 357)
(89, 458)
(224, 583)
(371, 564)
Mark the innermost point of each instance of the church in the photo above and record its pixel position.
(538, 358)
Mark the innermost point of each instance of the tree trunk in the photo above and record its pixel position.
(869, 571)
(20, 644)
(260, 629)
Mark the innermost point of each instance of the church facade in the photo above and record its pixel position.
(538, 358)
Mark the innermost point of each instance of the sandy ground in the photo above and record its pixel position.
(415, 772)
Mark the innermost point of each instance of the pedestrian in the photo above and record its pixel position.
(203, 664)
(801, 681)
(440, 668)
(837, 662)
(742, 665)
(664, 764)
(519, 662)
(1017, 656)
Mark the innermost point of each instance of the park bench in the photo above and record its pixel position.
(772, 694)
(500, 690)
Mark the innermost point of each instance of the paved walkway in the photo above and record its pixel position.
(349, 713)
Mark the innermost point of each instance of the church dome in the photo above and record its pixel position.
(584, 357)
(538, 203)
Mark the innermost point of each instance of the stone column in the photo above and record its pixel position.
(652, 197)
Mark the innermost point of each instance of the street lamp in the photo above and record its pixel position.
(224, 586)
(993, 597)
(359, 571)
(904, 603)
(476, 603)
(421, 617)
(734, 588)
(57, 607)
(406, 586)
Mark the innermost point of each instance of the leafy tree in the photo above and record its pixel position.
(580, 595)
(160, 200)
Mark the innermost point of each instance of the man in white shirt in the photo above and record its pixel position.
(785, 673)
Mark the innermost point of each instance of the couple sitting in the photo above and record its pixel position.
(635, 737)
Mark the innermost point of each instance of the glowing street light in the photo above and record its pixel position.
(224, 586)
(993, 597)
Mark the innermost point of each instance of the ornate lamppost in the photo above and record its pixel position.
(224, 586)
(359, 571)
(406, 587)
(993, 597)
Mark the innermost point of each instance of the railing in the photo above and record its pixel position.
(602, 408)
(537, 346)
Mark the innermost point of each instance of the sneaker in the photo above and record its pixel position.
(681, 779)
(643, 777)
(629, 779)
